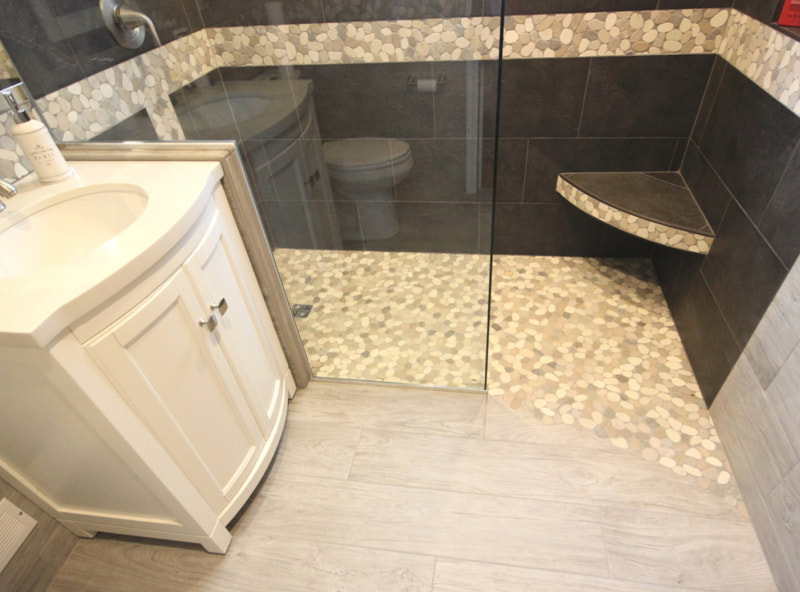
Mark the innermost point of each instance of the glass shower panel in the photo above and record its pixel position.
(370, 151)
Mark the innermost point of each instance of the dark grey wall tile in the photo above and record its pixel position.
(355, 100)
(782, 216)
(546, 229)
(466, 83)
(510, 168)
(674, 4)
(539, 98)
(709, 96)
(349, 225)
(680, 152)
(763, 10)
(256, 12)
(42, 56)
(137, 127)
(440, 172)
(371, 10)
(749, 140)
(652, 96)
(675, 269)
(711, 193)
(617, 243)
(430, 228)
(546, 6)
(302, 225)
(710, 345)
(742, 272)
(485, 229)
(549, 157)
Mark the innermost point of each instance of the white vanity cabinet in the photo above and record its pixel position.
(172, 397)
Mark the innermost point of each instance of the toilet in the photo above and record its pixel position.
(366, 170)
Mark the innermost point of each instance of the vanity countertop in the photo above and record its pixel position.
(38, 305)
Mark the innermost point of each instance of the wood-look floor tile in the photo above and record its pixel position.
(503, 423)
(406, 410)
(466, 576)
(497, 529)
(309, 448)
(672, 549)
(265, 563)
(517, 469)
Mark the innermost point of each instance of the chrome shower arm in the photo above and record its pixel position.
(126, 24)
(130, 19)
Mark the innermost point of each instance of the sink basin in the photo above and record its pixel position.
(66, 226)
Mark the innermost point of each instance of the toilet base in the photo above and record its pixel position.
(378, 220)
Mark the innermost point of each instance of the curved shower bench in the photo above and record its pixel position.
(658, 207)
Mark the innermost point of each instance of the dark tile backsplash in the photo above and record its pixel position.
(763, 10)
(749, 140)
(644, 97)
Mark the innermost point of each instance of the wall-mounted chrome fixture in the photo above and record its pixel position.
(126, 24)
(426, 85)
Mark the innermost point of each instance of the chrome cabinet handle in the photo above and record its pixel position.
(221, 307)
(210, 323)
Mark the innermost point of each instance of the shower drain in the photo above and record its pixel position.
(301, 311)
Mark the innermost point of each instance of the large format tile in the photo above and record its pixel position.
(749, 139)
(311, 448)
(783, 213)
(742, 272)
(465, 576)
(709, 343)
(370, 406)
(253, 563)
(381, 103)
(526, 533)
(710, 192)
(765, 443)
(569, 473)
(671, 549)
(540, 98)
(637, 97)
(547, 158)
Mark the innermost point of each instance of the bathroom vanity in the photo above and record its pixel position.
(144, 390)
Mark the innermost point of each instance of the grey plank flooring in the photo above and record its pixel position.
(385, 489)
(536, 471)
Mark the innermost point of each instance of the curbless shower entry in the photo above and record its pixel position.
(374, 181)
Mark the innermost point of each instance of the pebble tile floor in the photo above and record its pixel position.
(591, 465)
(578, 341)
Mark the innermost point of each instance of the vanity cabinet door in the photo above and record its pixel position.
(219, 273)
(175, 375)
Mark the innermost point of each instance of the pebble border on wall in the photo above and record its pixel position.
(85, 109)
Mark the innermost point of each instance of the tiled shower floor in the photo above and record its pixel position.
(587, 343)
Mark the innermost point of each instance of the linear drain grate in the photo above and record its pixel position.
(301, 311)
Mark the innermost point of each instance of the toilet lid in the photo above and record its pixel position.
(365, 153)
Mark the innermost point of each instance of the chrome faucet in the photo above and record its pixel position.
(6, 190)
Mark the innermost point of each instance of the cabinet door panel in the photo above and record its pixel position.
(173, 373)
(242, 329)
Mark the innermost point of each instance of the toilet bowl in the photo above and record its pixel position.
(366, 170)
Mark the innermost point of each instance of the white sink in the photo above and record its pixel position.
(69, 247)
(66, 226)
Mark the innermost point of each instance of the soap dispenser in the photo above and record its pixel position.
(34, 139)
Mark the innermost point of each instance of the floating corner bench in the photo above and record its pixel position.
(656, 206)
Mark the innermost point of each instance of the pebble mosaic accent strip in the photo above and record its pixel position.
(7, 67)
(627, 222)
(766, 56)
(591, 343)
(358, 42)
(13, 163)
(413, 318)
(654, 32)
(87, 108)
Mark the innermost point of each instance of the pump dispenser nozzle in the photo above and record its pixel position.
(16, 97)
